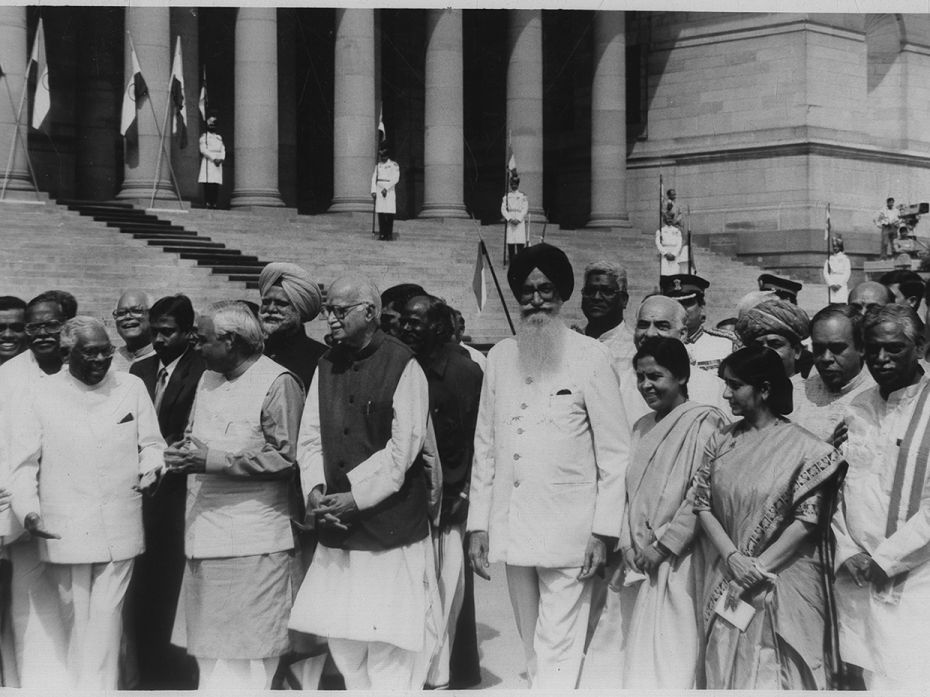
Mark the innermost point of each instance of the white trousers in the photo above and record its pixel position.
(450, 574)
(39, 636)
(90, 600)
(375, 665)
(236, 673)
(551, 609)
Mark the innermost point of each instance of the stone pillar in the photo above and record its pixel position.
(184, 23)
(354, 114)
(149, 28)
(99, 103)
(525, 103)
(256, 109)
(444, 133)
(608, 122)
(13, 55)
(287, 106)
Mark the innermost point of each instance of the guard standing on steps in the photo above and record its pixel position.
(212, 156)
(383, 181)
(515, 208)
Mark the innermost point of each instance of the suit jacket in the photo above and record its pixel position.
(179, 392)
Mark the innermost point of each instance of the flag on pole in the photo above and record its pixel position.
(479, 281)
(135, 94)
(179, 121)
(511, 159)
(827, 229)
(203, 96)
(382, 134)
(42, 101)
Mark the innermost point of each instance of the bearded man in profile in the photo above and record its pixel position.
(547, 487)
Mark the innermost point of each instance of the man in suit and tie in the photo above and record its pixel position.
(171, 377)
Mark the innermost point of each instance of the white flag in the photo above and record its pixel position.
(135, 94)
(43, 98)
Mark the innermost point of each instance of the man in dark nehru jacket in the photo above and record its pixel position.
(547, 485)
(706, 346)
(454, 387)
(171, 378)
(371, 589)
(784, 288)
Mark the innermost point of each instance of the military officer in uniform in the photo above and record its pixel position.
(514, 208)
(383, 181)
(706, 346)
(212, 156)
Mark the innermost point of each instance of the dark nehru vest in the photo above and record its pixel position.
(356, 412)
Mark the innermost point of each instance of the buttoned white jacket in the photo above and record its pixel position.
(77, 452)
(551, 453)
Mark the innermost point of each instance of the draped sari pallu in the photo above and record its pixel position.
(756, 484)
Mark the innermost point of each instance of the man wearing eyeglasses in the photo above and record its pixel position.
(547, 486)
(603, 300)
(36, 625)
(371, 589)
(83, 449)
(132, 324)
(12, 327)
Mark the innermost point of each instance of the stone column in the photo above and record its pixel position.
(184, 23)
(256, 109)
(287, 106)
(608, 122)
(150, 32)
(354, 117)
(99, 103)
(444, 133)
(13, 55)
(525, 103)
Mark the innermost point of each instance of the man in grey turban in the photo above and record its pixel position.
(779, 325)
(289, 299)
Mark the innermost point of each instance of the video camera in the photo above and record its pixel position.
(910, 215)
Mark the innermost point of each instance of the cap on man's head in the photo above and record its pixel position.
(784, 288)
(548, 259)
(683, 286)
(890, 199)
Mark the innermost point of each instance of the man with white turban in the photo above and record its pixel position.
(290, 298)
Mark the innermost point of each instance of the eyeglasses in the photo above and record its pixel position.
(17, 327)
(52, 326)
(340, 311)
(606, 293)
(91, 354)
(136, 311)
(546, 291)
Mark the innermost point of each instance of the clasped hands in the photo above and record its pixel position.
(331, 510)
(187, 456)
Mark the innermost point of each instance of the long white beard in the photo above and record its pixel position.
(540, 342)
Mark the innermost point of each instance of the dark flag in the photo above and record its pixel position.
(179, 121)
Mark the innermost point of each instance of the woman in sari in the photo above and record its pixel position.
(758, 497)
(662, 644)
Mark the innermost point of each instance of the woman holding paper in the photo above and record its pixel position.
(660, 525)
(759, 499)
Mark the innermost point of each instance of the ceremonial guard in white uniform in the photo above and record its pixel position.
(383, 181)
(836, 272)
(212, 156)
(514, 207)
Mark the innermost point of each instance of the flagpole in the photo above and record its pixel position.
(692, 267)
(829, 238)
(506, 189)
(660, 224)
(161, 150)
(500, 294)
(19, 135)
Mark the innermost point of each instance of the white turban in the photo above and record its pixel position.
(303, 293)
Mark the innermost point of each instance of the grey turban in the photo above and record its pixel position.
(774, 317)
(297, 286)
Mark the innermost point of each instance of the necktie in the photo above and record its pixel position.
(160, 387)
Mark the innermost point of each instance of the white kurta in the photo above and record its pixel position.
(668, 241)
(383, 179)
(819, 409)
(619, 342)
(884, 634)
(514, 207)
(836, 272)
(549, 456)
(361, 595)
(211, 150)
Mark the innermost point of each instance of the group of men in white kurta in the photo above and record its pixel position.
(546, 497)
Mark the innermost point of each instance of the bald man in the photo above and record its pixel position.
(870, 294)
(132, 324)
(371, 589)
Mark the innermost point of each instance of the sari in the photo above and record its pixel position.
(661, 645)
(756, 483)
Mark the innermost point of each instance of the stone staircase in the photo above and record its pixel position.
(99, 255)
